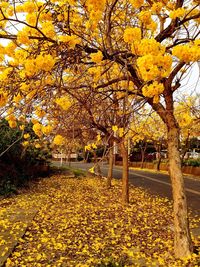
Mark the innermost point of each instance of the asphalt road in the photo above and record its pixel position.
(156, 183)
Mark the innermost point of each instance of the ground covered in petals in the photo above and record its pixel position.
(81, 223)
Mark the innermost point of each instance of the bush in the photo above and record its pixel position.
(19, 164)
(192, 162)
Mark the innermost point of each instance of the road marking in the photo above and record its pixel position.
(161, 182)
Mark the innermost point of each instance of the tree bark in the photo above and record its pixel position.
(110, 168)
(97, 167)
(158, 157)
(182, 238)
(143, 150)
(125, 178)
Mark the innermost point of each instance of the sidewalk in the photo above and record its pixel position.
(16, 214)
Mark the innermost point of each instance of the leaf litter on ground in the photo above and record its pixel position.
(82, 223)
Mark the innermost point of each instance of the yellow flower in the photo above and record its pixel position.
(132, 35)
(71, 40)
(58, 140)
(136, 3)
(22, 37)
(154, 89)
(37, 127)
(150, 46)
(177, 13)
(114, 128)
(37, 145)
(22, 127)
(187, 53)
(3, 99)
(12, 123)
(121, 132)
(40, 112)
(29, 7)
(17, 98)
(25, 143)
(152, 67)
(91, 170)
(145, 17)
(47, 129)
(64, 102)
(97, 57)
(26, 136)
(44, 62)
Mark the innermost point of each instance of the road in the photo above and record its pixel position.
(155, 183)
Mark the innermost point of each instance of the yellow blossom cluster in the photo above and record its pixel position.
(47, 129)
(153, 90)
(44, 62)
(71, 40)
(25, 143)
(157, 7)
(91, 146)
(149, 46)
(26, 136)
(64, 102)
(37, 145)
(121, 132)
(31, 18)
(22, 127)
(11, 121)
(39, 112)
(95, 8)
(37, 128)
(95, 5)
(95, 72)
(132, 35)
(118, 130)
(136, 3)
(152, 67)
(48, 29)
(146, 19)
(29, 7)
(177, 13)
(187, 53)
(97, 57)
(58, 140)
(23, 38)
(114, 128)
(17, 98)
(41, 62)
(3, 98)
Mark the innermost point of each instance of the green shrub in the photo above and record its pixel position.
(192, 162)
(7, 188)
(19, 164)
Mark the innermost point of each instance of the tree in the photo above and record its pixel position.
(186, 114)
(139, 39)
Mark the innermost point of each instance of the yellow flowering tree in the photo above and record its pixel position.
(58, 44)
(188, 119)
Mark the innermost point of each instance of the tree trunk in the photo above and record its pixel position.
(142, 160)
(110, 168)
(143, 150)
(158, 162)
(97, 167)
(125, 185)
(68, 158)
(158, 157)
(182, 238)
